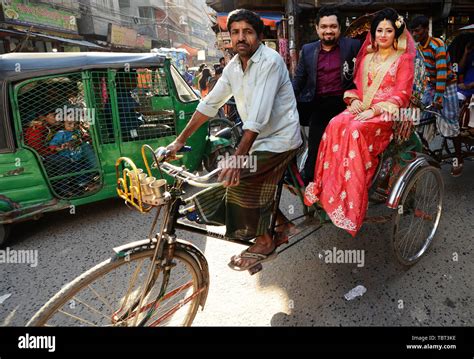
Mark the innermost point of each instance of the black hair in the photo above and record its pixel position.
(420, 20)
(206, 74)
(219, 71)
(457, 46)
(328, 11)
(390, 15)
(247, 16)
(222, 58)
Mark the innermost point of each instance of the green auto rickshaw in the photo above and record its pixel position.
(66, 117)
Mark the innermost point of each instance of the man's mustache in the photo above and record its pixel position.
(242, 43)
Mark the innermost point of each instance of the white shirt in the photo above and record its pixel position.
(264, 97)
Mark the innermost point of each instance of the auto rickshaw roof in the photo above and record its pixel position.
(19, 66)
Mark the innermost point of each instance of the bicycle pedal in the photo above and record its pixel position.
(255, 269)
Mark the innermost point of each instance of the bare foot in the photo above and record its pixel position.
(282, 232)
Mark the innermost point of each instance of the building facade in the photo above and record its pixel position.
(298, 17)
(107, 25)
(38, 26)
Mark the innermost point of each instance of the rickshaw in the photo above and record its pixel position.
(162, 280)
(66, 117)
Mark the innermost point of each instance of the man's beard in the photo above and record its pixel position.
(329, 42)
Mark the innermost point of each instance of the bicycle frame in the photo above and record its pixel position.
(437, 153)
(166, 241)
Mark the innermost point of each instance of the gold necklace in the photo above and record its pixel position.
(383, 58)
(377, 61)
(374, 66)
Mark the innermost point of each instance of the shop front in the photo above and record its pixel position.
(122, 38)
(31, 27)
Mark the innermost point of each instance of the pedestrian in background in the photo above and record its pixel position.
(441, 89)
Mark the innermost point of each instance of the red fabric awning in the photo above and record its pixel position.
(192, 51)
(269, 19)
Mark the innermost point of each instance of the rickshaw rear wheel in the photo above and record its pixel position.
(4, 233)
(418, 215)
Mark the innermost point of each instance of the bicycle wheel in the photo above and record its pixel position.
(109, 293)
(418, 215)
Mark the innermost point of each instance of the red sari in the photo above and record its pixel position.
(349, 150)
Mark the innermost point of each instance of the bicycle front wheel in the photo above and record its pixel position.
(109, 293)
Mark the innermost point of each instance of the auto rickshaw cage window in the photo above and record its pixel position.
(54, 122)
(144, 109)
(29, 178)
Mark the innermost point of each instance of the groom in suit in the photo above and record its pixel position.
(324, 72)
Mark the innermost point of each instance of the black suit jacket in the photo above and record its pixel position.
(304, 81)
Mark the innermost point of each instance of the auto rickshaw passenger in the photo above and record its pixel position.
(72, 147)
(40, 131)
(130, 118)
(67, 142)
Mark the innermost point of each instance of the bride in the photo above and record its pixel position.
(347, 157)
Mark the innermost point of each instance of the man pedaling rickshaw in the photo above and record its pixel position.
(259, 81)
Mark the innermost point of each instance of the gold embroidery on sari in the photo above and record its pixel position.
(388, 106)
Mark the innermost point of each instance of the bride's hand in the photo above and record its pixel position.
(356, 107)
(365, 115)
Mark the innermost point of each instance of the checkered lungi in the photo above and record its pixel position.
(245, 209)
(448, 122)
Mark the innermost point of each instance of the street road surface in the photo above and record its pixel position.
(296, 289)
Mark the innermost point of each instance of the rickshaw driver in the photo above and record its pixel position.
(258, 79)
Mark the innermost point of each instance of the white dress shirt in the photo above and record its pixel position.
(264, 97)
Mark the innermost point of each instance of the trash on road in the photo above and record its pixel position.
(355, 292)
(4, 298)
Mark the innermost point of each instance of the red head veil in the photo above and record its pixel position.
(406, 47)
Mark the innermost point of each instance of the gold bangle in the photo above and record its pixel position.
(375, 109)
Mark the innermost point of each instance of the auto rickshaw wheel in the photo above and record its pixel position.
(4, 233)
(219, 123)
(418, 215)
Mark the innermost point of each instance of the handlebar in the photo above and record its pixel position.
(431, 110)
(193, 180)
(162, 154)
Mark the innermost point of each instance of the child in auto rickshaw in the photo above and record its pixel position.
(73, 152)
(40, 132)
